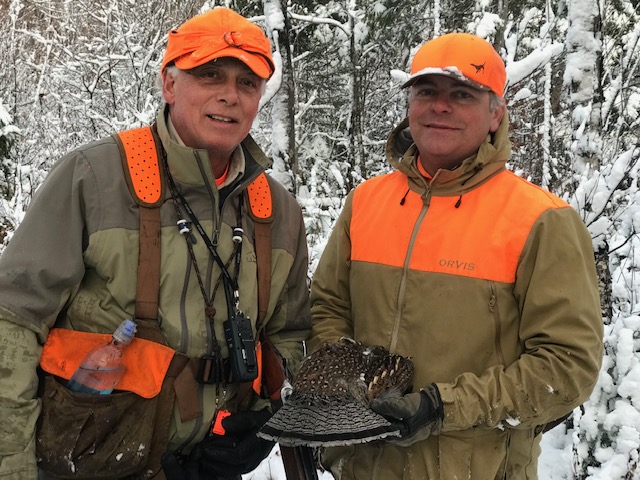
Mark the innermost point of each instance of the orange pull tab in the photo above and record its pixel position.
(216, 427)
(257, 383)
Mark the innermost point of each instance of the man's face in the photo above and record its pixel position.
(449, 120)
(213, 106)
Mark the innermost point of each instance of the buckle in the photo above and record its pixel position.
(207, 370)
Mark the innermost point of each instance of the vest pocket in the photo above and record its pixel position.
(87, 436)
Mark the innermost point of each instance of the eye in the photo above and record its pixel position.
(463, 94)
(466, 94)
(250, 84)
(425, 91)
(210, 73)
(247, 82)
(206, 73)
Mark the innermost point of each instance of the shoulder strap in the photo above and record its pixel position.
(260, 203)
(261, 211)
(141, 165)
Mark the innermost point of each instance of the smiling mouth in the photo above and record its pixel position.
(440, 127)
(221, 119)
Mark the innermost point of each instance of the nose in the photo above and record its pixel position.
(228, 92)
(441, 103)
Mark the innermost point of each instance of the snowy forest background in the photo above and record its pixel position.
(77, 70)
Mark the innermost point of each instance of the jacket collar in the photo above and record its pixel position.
(402, 154)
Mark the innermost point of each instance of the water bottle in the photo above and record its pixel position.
(102, 367)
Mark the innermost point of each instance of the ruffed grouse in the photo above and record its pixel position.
(329, 403)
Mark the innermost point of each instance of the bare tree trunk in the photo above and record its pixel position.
(356, 148)
(502, 7)
(283, 149)
(583, 79)
(584, 40)
(288, 89)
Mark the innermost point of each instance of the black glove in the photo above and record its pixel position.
(417, 415)
(237, 452)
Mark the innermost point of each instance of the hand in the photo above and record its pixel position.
(417, 415)
(237, 452)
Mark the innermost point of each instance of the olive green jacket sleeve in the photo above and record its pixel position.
(19, 410)
(330, 288)
(34, 285)
(290, 323)
(561, 332)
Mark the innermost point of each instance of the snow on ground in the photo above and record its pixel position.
(555, 460)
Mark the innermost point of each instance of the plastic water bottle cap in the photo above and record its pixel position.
(125, 332)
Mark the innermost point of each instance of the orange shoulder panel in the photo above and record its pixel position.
(146, 362)
(259, 193)
(380, 226)
(482, 238)
(142, 162)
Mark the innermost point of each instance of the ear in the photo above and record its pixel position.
(496, 118)
(168, 87)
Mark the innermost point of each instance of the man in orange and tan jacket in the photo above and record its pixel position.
(486, 281)
(72, 266)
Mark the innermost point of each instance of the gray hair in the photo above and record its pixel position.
(171, 70)
(496, 101)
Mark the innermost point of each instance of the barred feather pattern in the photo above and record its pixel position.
(329, 404)
(348, 370)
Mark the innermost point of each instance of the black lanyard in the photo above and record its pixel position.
(230, 284)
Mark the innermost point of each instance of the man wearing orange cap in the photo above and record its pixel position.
(484, 280)
(72, 267)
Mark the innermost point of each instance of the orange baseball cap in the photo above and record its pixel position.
(220, 32)
(463, 56)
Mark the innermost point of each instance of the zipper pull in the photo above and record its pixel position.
(492, 299)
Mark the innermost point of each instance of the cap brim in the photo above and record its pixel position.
(255, 61)
(455, 74)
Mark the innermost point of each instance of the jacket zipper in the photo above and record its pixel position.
(376, 465)
(493, 308)
(405, 269)
(506, 457)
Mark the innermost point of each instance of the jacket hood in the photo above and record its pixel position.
(402, 154)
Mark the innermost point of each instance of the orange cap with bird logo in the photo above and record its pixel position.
(463, 56)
